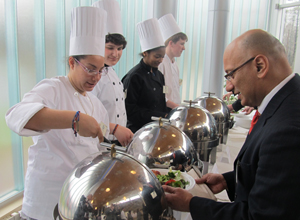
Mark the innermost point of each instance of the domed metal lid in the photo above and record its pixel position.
(196, 122)
(102, 183)
(215, 106)
(154, 143)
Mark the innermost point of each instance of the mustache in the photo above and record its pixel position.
(235, 94)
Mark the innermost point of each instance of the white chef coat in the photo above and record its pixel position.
(55, 152)
(171, 72)
(109, 91)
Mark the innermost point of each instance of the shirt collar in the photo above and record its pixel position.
(268, 97)
(171, 60)
(147, 67)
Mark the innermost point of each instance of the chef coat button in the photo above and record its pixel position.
(154, 89)
(116, 99)
(118, 116)
(76, 93)
(119, 83)
(113, 83)
(122, 99)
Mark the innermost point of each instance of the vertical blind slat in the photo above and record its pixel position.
(61, 38)
(14, 86)
(39, 37)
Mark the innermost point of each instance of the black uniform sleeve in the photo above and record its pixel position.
(237, 105)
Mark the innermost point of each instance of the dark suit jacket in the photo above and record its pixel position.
(267, 167)
(144, 95)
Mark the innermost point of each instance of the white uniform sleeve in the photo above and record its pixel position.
(42, 95)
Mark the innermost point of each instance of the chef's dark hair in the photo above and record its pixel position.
(151, 50)
(176, 37)
(116, 39)
(78, 57)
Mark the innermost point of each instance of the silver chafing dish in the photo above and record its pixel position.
(152, 145)
(219, 111)
(218, 108)
(199, 125)
(108, 181)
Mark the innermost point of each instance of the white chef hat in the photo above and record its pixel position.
(114, 21)
(88, 29)
(168, 26)
(150, 35)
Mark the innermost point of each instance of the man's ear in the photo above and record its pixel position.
(262, 65)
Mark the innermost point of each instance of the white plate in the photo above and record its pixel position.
(184, 176)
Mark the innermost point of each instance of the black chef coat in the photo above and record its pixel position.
(144, 95)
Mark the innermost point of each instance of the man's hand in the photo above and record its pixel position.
(215, 182)
(177, 198)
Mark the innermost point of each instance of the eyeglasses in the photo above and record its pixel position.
(102, 72)
(229, 76)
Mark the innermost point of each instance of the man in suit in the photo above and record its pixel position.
(177, 159)
(265, 181)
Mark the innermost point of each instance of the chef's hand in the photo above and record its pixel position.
(177, 198)
(230, 107)
(89, 127)
(124, 135)
(216, 182)
(248, 110)
(227, 96)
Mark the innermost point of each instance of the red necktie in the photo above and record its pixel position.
(174, 155)
(254, 120)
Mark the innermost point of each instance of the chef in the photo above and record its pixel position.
(144, 84)
(174, 40)
(65, 120)
(109, 89)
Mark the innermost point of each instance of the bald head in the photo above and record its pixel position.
(266, 67)
(258, 41)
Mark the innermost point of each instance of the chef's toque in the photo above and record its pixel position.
(114, 20)
(150, 35)
(168, 26)
(88, 29)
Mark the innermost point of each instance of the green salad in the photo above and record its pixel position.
(173, 178)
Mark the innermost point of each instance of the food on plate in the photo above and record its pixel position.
(172, 178)
(156, 172)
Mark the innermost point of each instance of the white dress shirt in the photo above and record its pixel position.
(268, 97)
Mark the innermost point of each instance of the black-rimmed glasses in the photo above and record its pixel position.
(229, 76)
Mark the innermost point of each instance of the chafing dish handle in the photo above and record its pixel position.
(162, 119)
(118, 148)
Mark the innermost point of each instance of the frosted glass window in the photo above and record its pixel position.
(290, 30)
